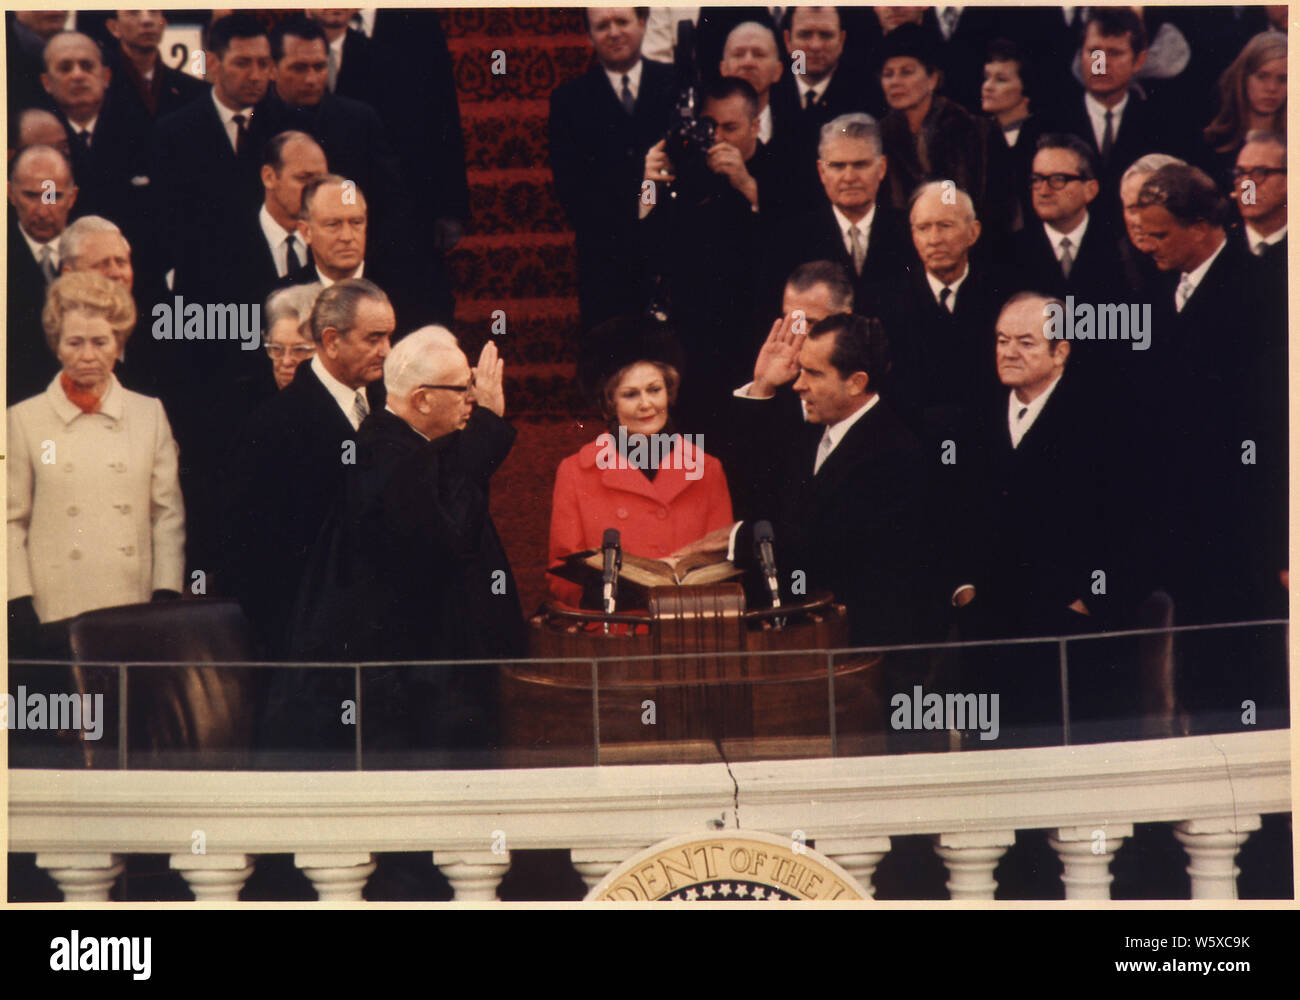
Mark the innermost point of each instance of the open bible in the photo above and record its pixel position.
(702, 567)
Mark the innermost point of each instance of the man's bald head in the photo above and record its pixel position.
(41, 192)
(75, 75)
(751, 53)
(38, 127)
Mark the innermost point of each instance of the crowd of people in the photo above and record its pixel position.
(984, 308)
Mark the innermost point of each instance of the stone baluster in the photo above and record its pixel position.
(339, 876)
(594, 863)
(1211, 846)
(858, 856)
(474, 875)
(1086, 853)
(213, 876)
(82, 878)
(971, 859)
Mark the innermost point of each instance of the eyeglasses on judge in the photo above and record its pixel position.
(451, 388)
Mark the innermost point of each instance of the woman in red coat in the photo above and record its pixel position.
(657, 487)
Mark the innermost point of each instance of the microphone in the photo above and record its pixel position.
(767, 561)
(613, 562)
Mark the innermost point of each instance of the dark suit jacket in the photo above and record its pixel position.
(29, 363)
(404, 570)
(1095, 276)
(286, 469)
(1215, 379)
(416, 303)
(357, 76)
(112, 175)
(356, 146)
(816, 235)
(943, 363)
(25, 66)
(1145, 128)
(175, 89)
(199, 185)
(598, 159)
(857, 527)
(1037, 520)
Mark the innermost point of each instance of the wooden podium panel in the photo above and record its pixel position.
(699, 657)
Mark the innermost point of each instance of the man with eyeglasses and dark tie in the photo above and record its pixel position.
(1260, 192)
(1067, 249)
(289, 464)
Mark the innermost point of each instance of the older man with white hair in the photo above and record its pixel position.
(426, 575)
(410, 567)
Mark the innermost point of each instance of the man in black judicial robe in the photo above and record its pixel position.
(598, 142)
(410, 566)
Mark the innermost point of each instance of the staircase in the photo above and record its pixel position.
(518, 256)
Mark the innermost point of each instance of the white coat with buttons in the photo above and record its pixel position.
(95, 511)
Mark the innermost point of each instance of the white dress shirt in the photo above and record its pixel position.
(818, 88)
(1192, 279)
(937, 286)
(1075, 236)
(276, 237)
(335, 55)
(863, 225)
(343, 395)
(1257, 243)
(765, 124)
(326, 280)
(1019, 425)
(228, 119)
(36, 248)
(1097, 115)
(633, 81)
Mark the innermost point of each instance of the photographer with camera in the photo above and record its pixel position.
(710, 203)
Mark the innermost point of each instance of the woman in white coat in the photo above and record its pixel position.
(95, 511)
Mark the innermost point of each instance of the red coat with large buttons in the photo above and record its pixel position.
(654, 518)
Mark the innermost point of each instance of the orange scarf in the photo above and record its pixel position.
(85, 400)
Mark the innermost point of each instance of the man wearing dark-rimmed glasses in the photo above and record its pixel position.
(1066, 249)
(1259, 188)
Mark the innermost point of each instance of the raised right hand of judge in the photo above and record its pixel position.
(658, 167)
(778, 358)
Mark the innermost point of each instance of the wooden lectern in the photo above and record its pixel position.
(697, 676)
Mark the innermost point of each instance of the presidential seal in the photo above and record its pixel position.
(746, 866)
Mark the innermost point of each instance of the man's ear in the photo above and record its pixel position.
(70, 198)
(1091, 189)
(304, 233)
(45, 82)
(858, 382)
(108, 75)
(976, 229)
(329, 340)
(114, 28)
(1140, 59)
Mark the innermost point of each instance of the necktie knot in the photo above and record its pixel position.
(945, 297)
(47, 263)
(858, 248)
(628, 101)
(1184, 291)
(360, 407)
(823, 450)
(1108, 134)
(810, 100)
(1067, 258)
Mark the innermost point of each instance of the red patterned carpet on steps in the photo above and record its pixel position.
(518, 258)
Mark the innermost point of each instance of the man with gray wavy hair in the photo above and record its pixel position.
(848, 224)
